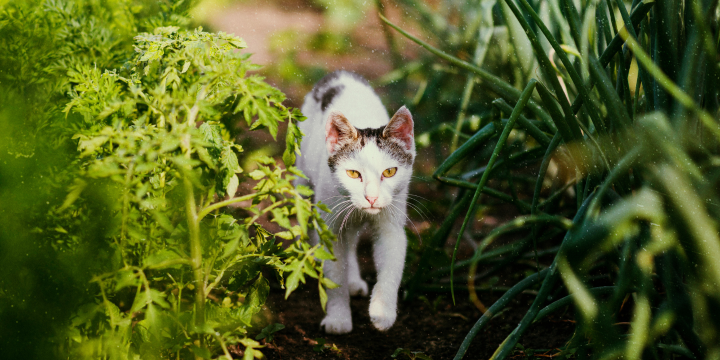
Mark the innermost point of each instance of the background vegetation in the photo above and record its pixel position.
(118, 164)
(622, 98)
(569, 146)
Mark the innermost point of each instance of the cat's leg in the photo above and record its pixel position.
(389, 253)
(356, 284)
(338, 319)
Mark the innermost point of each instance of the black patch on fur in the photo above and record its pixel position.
(319, 90)
(322, 84)
(329, 95)
(391, 146)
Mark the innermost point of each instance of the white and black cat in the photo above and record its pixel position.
(359, 161)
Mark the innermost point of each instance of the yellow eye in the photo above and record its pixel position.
(389, 172)
(353, 174)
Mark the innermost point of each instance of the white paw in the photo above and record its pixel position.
(337, 324)
(358, 287)
(382, 315)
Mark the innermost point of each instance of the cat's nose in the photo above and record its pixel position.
(371, 199)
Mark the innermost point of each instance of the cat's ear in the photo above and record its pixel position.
(401, 127)
(338, 131)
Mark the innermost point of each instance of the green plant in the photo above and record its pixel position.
(433, 306)
(412, 355)
(160, 132)
(640, 145)
(322, 346)
(143, 226)
(268, 333)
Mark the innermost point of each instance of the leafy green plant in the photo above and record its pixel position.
(268, 333)
(158, 131)
(433, 306)
(412, 355)
(146, 123)
(322, 346)
(640, 145)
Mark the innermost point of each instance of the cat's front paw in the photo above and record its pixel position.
(382, 315)
(358, 287)
(335, 324)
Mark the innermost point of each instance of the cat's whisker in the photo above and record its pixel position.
(418, 196)
(410, 221)
(336, 196)
(416, 199)
(334, 216)
(419, 211)
(334, 203)
(344, 220)
(331, 221)
(340, 203)
(337, 214)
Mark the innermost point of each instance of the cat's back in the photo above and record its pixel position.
(343, 91)
(348, 93)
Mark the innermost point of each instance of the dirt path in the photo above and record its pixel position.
(435, 332)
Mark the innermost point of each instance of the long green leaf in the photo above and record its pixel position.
(437, 241)
(524, 98)
(559, 304)
(577, 80)
(616, 44)
(551, 103)
(663, 80)
(548, 284)
(538, 186)
(498, 306)
(573, 20)
(495, 83)
(478, 139)
(531, 129)
(614, 105)
(546, 67)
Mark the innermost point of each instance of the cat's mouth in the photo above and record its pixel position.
(372, 210)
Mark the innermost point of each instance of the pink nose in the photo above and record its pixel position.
(371, 199)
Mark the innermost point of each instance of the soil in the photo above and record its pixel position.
(436, 333)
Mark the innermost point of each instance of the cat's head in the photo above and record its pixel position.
(372, 165)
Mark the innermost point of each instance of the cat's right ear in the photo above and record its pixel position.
(338, 131)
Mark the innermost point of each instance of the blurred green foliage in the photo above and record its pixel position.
(117, 164)
(343, 15)
(620, 101)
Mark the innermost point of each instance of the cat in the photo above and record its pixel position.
(359, 161)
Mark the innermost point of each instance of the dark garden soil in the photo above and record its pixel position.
(437, 333)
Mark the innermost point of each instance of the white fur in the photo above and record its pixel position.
(352, 211)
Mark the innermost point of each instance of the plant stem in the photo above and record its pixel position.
(395, 55)
(495, 83)
(496, 308)
(522, 102)
(218, 205)
(666, 83)
(195, 253)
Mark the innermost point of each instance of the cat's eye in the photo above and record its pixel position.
(389, 172)
(353, 174)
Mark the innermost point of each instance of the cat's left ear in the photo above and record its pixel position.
(338, 131)
(401, 128)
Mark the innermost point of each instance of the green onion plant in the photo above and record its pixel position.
(624, 98)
